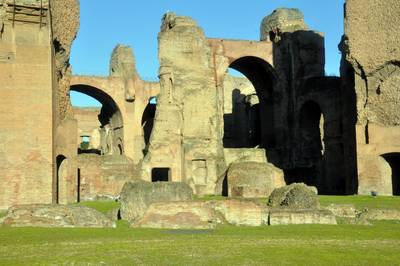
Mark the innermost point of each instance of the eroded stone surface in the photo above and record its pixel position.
(294, 196)
(252, 180)
(381, 214)
(343, 210)
(286, 217)
(179, 215)
(104, 176)
(239, 212)
(41, 215)
(136, 197)
(282, 20)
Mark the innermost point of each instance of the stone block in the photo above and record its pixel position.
(343, 210)
(136, 197)
(252, 179)
(287, 216)
(179, 215)
(42, 215)
(240, 212)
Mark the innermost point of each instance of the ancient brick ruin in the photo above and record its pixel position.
(221, 135)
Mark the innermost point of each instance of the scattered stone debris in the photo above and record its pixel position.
(343, 210)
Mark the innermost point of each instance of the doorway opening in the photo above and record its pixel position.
(393, 159)
(161, 174)
(60, 175)
(78, 187)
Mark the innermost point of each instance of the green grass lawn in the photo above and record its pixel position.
(378, 244)
(360, 202)
(278, 245)
(101, 206)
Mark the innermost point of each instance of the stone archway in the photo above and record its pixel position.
(110, 117)
(258, 107)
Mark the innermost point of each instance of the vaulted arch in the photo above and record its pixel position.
(260, 109)
(110, 118)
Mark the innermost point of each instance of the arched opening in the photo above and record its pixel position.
(84, 144)
(241, 112)
(310, 146)
(148, 121)
(101, 127)
(61, 174)
(225, 188)
(250, 100)
(393, 159)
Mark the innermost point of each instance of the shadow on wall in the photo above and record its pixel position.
(242, 126)
(309, 147)
(61, 170)
(393, 159)
(262, 76)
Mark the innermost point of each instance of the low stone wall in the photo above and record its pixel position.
(210, 214)
(103, 176)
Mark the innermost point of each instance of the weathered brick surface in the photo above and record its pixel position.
(26, 132)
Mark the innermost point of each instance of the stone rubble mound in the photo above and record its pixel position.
(294, 196)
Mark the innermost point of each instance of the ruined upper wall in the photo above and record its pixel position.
(122, 62)
(373, 37)
(65, 25)
(282, 20)
(371, 46)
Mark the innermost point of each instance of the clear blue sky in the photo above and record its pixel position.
(137, 23)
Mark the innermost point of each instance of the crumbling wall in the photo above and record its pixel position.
(102, 177)
(64, 26)
(299, 56)
(371, 72)
(122, 64)
(282, 20)
(187, 133)
(369, 26)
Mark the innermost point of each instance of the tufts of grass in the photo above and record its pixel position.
(209, 197)
(361, 202)
(102, 206)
